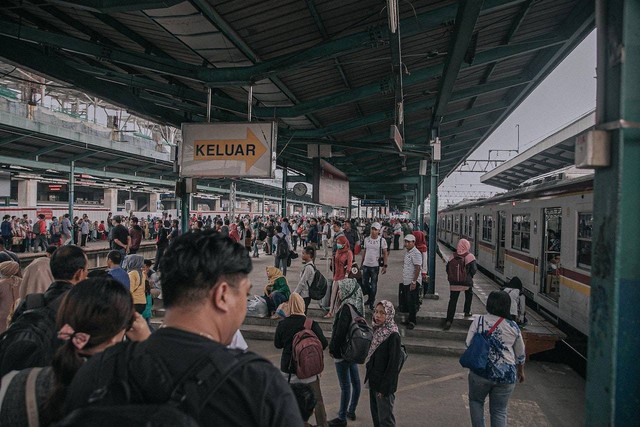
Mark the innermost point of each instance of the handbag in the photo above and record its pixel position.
(476, 356)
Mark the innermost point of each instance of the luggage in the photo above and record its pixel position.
(308, 354)
(257, 307)
(358, 340)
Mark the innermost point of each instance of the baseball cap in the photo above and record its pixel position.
(376, 225)
(410, 238)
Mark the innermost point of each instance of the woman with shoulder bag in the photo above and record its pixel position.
(505, 362)
(350, 298)
(383, 364)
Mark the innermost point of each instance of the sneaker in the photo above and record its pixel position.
(447, 326)
(337, 422)
(468, 314)
(351, 416)
(411, 325)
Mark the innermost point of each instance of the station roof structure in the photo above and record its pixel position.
(555, 152)
(329, 72)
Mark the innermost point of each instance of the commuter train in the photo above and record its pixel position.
(540, 233)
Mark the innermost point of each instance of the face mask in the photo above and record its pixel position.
(339, 246)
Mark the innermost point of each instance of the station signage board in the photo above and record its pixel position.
(227, 150)
(374, 202)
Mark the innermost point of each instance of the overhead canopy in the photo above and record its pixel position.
(328, 71)
(554, 152)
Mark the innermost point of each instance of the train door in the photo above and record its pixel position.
(476, 234)
(551, 244)
(502, 234)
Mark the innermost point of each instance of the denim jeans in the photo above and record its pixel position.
(349, 379)
(479, 388)
(382, 409)
(370, 281)
(453, 302)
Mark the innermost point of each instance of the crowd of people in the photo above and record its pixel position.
(69, 338)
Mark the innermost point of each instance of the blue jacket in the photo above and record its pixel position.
(119, 275)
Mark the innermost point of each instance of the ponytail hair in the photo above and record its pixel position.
(91, 314)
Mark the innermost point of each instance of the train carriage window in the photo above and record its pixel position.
(521, 232)
(585, 228)
(487, 228)
(456, 224)
(466, 225)
(449, 223)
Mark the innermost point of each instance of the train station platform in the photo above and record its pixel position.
(433, 388)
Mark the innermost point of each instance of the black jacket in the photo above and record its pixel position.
(382, 368)
(283, 339)
(56, 290)
(339, 331)
(254, 395)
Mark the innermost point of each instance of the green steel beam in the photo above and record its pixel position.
(371, 38)
(15, 138)
(417, 76)
(613, 371)
(145, 167)
(468, 14)
(578, 24)
(33, 58)
(111, 162)
(112, 6)
(43, 150)
(383, 180)
(149, 48)
(81, 156)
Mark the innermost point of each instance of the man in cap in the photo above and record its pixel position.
(411, 277)
(374, 256)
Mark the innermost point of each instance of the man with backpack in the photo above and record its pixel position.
(312, 284)
(40, 231)
(185, 367)
(302, 342)
(283, 247)
(31, 339)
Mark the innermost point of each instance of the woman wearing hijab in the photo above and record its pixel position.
(286, 330)
(342, 262)
(349, 294)
(10, 280)
(137, 279)
(383, 364)
(462, 255)
(37, 276)
(277, 290)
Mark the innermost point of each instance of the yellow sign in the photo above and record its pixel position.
(249, 149)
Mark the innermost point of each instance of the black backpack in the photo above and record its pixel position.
(111, 405)
(282, 248)
(31, 340)
(318, 286)
(358, 341)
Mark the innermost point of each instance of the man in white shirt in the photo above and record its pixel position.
(375, 247)
(411, 277)
(326, 237)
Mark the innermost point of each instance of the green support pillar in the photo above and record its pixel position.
(613, 375)
(285, 170)
(433, 229)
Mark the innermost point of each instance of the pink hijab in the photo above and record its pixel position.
(463, 250)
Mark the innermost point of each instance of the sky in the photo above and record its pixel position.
(566, 94)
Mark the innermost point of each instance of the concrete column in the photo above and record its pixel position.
(28, 193)
(154, 199)
(111, 199)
